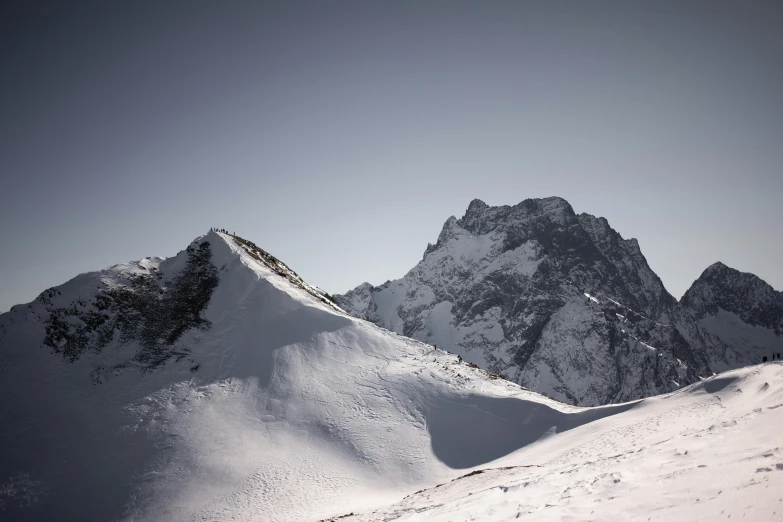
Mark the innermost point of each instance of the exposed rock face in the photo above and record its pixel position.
(134, 315)
(556, 301)
(140, 305)
(740, 309)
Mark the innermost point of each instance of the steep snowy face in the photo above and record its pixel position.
(739, 308)
(556, 302)
(217, 385)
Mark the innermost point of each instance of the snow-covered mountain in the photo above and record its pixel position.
(555, 301)
(217, 385)
(738, 308)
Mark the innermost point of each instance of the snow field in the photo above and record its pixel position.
(713, 451)
(287, 409)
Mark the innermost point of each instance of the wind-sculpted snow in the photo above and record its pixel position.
(557, 302)
(709, 452)
(460, 427)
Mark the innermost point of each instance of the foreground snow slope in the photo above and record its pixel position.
(713, 451)
(217, 385)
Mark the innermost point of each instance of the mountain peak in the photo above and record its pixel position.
(552, 205)
(721, 288)
(556, 201)
(720, 272)
(717, 266)
(477, 205)
(207, 353)
(504, 287)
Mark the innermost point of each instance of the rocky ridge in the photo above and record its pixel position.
(554, 301)
(739, 308)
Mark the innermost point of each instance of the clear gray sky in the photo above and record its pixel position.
(341, 135)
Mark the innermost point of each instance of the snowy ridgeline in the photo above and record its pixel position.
(272, 404)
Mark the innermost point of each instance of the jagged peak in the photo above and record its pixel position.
(448, 226)
(480, 218)
(584, 216)
(557, 201)
(445, 233)
(721, 271)
(716, 267)
(745, 294)
(600, 224)
(552, 205)
(544, 204)
(723, 275)
(477, 204)
(361, 289)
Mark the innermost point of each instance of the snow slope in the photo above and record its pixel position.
(269, 403)
(712, 451)
(273, 405)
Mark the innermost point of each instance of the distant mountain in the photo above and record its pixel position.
(738, 308)
(555, 301)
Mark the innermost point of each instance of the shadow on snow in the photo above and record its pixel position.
(473, 430)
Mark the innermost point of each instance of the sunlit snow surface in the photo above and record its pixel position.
(295, 411)
(713, 451)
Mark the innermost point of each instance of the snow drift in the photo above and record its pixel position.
(709, 452)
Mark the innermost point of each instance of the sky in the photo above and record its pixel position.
(340, 136)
